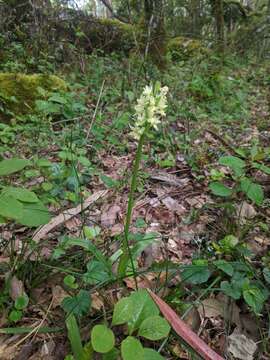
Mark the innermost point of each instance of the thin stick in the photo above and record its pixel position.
(95, 112)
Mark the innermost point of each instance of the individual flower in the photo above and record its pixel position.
(150, 107)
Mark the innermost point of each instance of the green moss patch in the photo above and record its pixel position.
(182, 48)
(18, 92)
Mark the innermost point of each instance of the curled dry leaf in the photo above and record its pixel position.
(16, 288)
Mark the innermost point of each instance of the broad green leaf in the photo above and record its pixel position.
(70, 281)
(219, 189)
(154, 328)
(224, 266)
(122, 312)
(15, 315)
(97, 272)
(143, 306)
(21, 302)
(20, 194)
(102, 339)
(91, 232)
(150, 354)
(233, 162)
(229, 242)
(78, 305)
(253, 191)
(108, 181)
(266, 274)
(132, 349)
(11, 166)
(255, 298)
(34, 215)
(10, 208)
(196, 273)
(231, 289)
(111, 355)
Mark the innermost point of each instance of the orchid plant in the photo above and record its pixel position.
(150, 109)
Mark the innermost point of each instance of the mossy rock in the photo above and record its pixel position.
(182, 48)
(18, 92)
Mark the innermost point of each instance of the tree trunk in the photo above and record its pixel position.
(219, 18)
(155, 29)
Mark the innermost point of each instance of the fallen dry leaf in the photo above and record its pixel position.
(97, 302)
(109, 217)
(241, 347)
(245, 212)
(58, 295)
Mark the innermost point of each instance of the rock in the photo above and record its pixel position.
(245, 212)
(18, 92)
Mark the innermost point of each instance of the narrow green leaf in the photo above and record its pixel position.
(74, 337)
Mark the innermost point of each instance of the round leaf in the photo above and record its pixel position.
(132, 349)
(122, 311)
(15, 315)
(143, 306)
(154, 328)
(150, 354)
(102, 339)
(21, 302)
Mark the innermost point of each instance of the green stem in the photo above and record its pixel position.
(127, 255)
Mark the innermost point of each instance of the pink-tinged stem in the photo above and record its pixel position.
(182, 329)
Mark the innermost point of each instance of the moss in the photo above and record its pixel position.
(107, 35)
(18, 92)
(182, 48)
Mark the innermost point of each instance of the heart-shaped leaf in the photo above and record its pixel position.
(154, 328)
(102, 339)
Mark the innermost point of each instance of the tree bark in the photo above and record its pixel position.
(219, 19)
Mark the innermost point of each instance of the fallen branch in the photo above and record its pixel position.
(67, 215)
(182, 329)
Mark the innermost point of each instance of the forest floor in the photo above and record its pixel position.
(81, 169)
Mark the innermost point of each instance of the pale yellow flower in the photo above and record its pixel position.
(150, 107)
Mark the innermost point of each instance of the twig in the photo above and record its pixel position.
(95, 112)
(67, 215)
